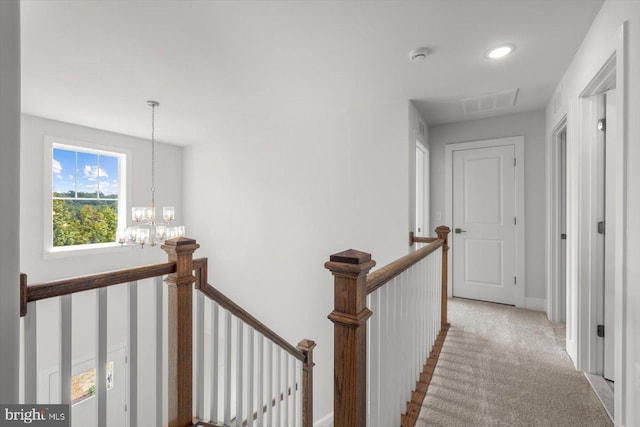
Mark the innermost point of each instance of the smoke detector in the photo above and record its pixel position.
(419, 54)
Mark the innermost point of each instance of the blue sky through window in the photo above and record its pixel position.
(91, 172)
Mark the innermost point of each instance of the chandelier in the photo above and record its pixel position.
(147, 230)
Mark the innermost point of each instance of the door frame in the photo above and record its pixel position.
(553, 225)
(426, 190)
(580, 277)
(518, 143)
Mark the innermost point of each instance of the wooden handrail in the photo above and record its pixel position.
(417, 239)
(247, 318)
(73, 285)
(303, 352)
(384, 274)
(180, 276)
(352, 283)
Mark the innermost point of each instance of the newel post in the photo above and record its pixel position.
(350, 316)
(306, 347)
(443, 234)
(180, 358)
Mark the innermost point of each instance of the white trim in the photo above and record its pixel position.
(326, 421)
(620, 282)
(518, 143)
(124, 171)
(580, 277)
(535, 304)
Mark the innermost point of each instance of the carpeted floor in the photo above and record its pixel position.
(505, 366)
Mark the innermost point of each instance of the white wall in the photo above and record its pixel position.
(9, 197)
(270, 199)
(599, 43)
(532, 126)
(168, 191)
(169, 181)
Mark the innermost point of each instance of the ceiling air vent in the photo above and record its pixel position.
(490, 102)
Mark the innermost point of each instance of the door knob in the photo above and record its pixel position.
(460, 230)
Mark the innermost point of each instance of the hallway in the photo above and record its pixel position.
(505, 366)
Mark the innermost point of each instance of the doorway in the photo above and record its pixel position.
(596, 236)
(559, 303)
(422, 190)
(485, 205)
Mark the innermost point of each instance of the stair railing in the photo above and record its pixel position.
(381, 373)
(282, 394)
(274, 386)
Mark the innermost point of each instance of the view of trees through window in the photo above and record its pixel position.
(85, 197)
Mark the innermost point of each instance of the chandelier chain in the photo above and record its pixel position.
(153, 155)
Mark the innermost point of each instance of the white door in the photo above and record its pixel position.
(484, 207)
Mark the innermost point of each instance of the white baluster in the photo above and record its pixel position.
(31, 354)
(249, 377)
(158, 290)
(132, 346)
(278, 386)
(239, 368)
(66, 325)
(199, 353)
(294, 382)
(260, 385)
(215, 345)
(285, 409)
(227, 369)
(269, 414)
(101, 352)
(373, 365)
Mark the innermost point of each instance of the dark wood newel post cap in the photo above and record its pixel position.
(443, 229)
(180, 245)
(351, 262)
(306, 346)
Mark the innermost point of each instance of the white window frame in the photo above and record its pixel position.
(123, 156)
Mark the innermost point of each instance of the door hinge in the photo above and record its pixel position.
(563, 236)
(601, 331)
(600, 227)
(514, 161)
(515, 280)
(602, 125)
(125, 407)
(515, 221)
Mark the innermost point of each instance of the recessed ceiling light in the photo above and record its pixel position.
(500, 51)
(419, 54)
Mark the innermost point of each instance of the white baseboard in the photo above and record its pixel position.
(536, 304)
(326, 421)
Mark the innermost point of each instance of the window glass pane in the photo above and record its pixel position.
(63, 170)
(108, 177)
(88, 171)
(81, 222)
(85, 197)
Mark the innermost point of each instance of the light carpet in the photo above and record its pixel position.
(505, 366)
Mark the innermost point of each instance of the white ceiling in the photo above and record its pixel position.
(95, 63)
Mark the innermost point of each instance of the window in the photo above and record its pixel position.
(83, 385)
(87, 196)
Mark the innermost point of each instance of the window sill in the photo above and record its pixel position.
(81, 250)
